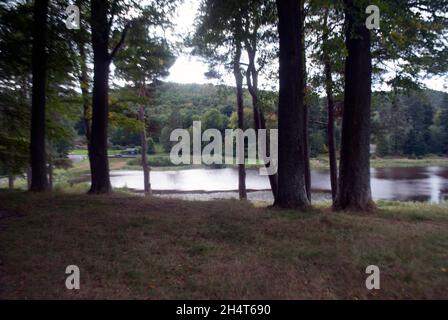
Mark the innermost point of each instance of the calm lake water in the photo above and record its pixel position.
(402, 184)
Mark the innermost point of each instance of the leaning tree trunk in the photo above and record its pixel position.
(99, 163)
(291, 164)
(354, 176)
(273, 178)
(331, 113)
(259, 121)
(145, 165)
(39, 180)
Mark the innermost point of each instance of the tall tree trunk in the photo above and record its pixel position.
(291, 166)
(332, 155)
(145, 166)
(39, 65)
(99, 162)
(240, 109)
(306, 150)
(354, 177)
(252, 85)
(84, 84)
(50, 172)
(306, 138)
(259, 121)
(28, 178)
(11, 181)
(397, 125)
(330, 105)
(273, 178)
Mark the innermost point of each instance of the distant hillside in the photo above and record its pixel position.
(196, 97)
(201, 97)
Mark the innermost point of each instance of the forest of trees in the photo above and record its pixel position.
(178, 105)
(55, 85)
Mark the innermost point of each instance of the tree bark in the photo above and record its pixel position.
(11, 181)
(99, 162)
(39, 65)
(240, 105)
(84, 84)
(273, 178)
(28, 178)
(306, 150)
(259, 121)
(354, 176)
(50, 172)
(252, 83)
(145, 166)
(291, 169)
(331, 113)
(306, 138)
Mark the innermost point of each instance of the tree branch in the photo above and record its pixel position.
(120, 43)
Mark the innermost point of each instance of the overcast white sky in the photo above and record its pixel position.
(190, 69)
(187, 69)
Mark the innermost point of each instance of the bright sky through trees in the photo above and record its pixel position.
(190, 69)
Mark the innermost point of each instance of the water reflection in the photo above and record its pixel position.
(410, 184)
(402, 184)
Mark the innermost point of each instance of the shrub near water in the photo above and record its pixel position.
(154, 161)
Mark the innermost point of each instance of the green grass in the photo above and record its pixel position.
(79, 152)
(321, 162)
(151, 248)
(161, 159)
(84, 152)
(405, 162)
(67, 179)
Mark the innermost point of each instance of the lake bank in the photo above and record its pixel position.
(161, 160)
(130, 247)
(401, 183)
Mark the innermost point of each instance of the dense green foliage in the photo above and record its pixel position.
(16, 83)
(410, 124)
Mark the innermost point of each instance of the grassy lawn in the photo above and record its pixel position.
(405, 162)
(321, 162)
(162, 160)
(84, 152)
(132, 247)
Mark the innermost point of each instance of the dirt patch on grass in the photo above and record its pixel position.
(132, 247)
